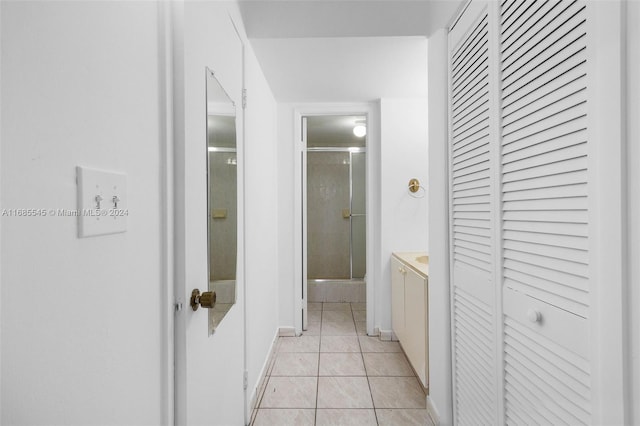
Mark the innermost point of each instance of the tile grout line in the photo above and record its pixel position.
(375, 413)
(315, 412)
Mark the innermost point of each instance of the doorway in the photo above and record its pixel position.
(334, 220)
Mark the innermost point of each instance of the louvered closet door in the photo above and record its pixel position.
(473, 284)
(545, 212)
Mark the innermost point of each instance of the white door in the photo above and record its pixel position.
(472, 168)
(303, 187)
(545, 213)
(210, 368)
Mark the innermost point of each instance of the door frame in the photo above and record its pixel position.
(372, 221)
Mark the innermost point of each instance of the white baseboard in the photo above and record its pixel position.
(255, 392)
(433, 411)
(287, 332)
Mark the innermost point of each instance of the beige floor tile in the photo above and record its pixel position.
(314, 316)
(387, 364)
(296, 364)
(313, 329)
(361, 328)
(337, 316)
(344, 392)
(397, 392)
(339, 344)
(346, 417)
(284, 417)
(328, 306)
(343, 328)
(360, 315)
(403, 417)
(341, 364)
(314, 306)
(299, 344)
(260, 391)
(358, 306)
(290, 392)
(374, 344)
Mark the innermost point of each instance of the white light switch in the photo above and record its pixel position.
(102, 202)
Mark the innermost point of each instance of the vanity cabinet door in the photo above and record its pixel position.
(414, 341)
(397, 298)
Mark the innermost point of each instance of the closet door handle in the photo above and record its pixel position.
(534, 315)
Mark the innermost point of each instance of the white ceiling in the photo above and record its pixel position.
(345, 18)
(344, 51)
(344, 69)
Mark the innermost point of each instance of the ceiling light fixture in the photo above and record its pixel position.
(360, 130)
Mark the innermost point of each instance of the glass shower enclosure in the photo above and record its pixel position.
(336, 199)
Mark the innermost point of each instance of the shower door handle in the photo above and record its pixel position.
(346, 214)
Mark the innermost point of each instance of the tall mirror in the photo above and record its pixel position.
(222, 194)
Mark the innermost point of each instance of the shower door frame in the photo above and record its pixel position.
(300, 232)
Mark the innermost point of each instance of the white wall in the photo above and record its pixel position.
(404, 218)
(82, 319)
(286, 214)
(633, 191)
(439, 304)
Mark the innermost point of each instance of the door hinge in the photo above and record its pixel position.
(245, 380)
(244, 98)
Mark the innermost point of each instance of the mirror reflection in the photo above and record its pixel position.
(222, 199)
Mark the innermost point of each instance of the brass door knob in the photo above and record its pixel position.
(206, 299)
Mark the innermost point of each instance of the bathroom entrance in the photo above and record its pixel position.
(334, 185)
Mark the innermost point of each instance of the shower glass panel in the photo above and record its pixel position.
(336, 199)
(328, 229)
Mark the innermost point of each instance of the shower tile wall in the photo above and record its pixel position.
(223, 199)
(328, 232)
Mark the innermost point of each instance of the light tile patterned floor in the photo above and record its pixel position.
(336, 375)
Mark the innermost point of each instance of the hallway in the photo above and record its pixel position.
(334, 374)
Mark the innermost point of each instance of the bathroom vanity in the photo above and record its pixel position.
(409, 305)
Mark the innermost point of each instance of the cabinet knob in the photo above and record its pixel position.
(534, 315)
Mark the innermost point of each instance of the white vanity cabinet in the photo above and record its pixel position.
(409, 319)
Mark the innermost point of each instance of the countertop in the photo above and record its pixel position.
(410, 259)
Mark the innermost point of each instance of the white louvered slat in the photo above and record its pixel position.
(554, 381)
(511, 23)
(472, 103)
(474, 355)
(545, 189)
(542, 57)
(541, 122)
(525, 98)
(559, 216)
(538, 48)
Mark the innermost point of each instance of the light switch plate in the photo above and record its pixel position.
(102, 202)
